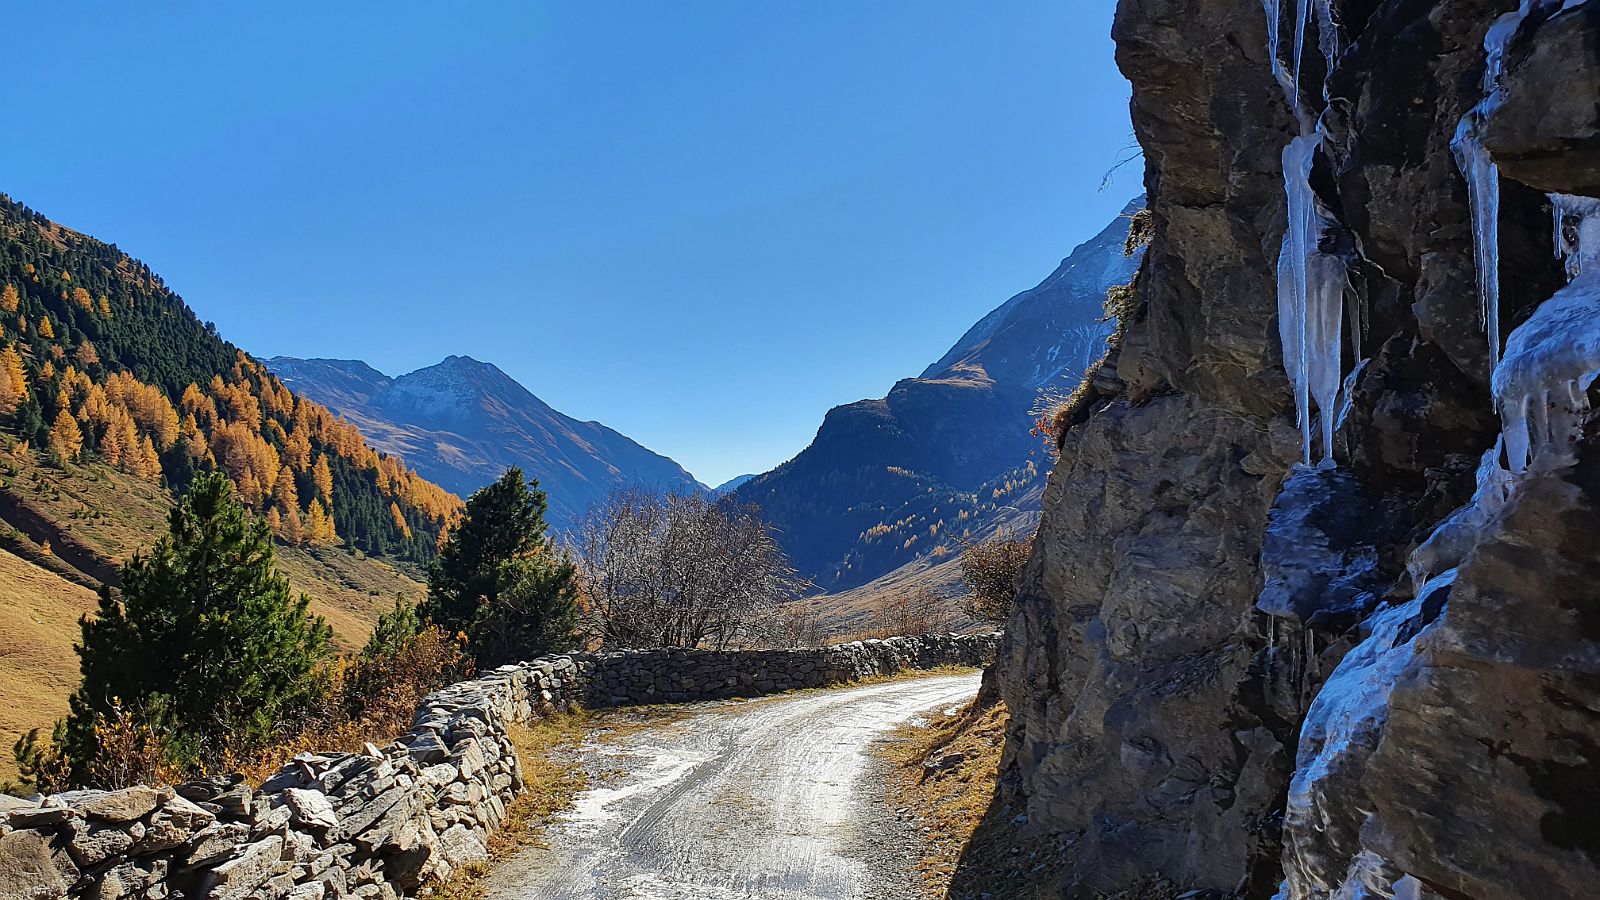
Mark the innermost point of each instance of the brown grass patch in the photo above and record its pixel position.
(38, 622)
(552, 777)
(944, 771)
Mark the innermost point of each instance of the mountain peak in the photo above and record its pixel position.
(462, 421)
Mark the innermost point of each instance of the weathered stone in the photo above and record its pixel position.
(1546, 130)
(93, 843)
(214, 843)
(119, 806)
(311, 808)
(42, 817)
(133, 878)
(26, 869)
(238, 877)
(172, 825)
(461, 846)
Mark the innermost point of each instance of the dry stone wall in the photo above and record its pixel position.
(381, 823)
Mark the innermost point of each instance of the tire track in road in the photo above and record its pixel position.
(766, 799)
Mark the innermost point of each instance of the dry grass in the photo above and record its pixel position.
(38, 622)
(552, 776)
(111, 515)
(114, 515)
(949, 799)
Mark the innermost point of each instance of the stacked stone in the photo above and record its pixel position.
(380, 823)
(679, 675)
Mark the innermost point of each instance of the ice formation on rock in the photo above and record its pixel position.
(1341, 729)
(1311, 282)
(1577, 232)
(1455, 537)
(1483, 177)
(1540, 385)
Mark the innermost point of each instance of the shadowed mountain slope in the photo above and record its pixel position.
(892, 480)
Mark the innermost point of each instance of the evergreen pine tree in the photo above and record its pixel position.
(205, 639)
(499, 578)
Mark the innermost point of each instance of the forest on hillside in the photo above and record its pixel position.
(99, 358)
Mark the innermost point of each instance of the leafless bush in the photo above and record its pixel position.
(679, 570)
(919, 612)
(794, 624)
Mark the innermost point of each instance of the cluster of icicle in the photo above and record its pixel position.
(1311, 282)
(1540, 381)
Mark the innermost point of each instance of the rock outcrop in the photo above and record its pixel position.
(1221, 671)
(384, 822)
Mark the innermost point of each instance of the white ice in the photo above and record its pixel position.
(1577, 232)
(1455, 537)
(1549, 363)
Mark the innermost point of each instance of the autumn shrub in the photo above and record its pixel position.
(990, 570)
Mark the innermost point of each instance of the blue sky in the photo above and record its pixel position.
(702, 223)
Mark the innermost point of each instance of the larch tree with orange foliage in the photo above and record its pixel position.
(13, 380)
(66, 439)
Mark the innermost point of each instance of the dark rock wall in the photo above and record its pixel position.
(1159, 714)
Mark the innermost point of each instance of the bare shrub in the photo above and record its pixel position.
(792, 625)
(990, 570)
(919, 612)
(679, 570)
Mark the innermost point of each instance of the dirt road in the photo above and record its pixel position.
(765, 799)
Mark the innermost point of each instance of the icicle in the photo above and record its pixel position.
(1299, 239)
(1483, 198)
(1549, 363)
(1325, 283)
(1301, 15)
(1483, 178)
(1577, 232)
(1311, 284)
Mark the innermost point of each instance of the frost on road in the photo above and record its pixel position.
(764, 799)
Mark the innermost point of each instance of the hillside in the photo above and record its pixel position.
(944, 455)
(461, 422)
(113, 394)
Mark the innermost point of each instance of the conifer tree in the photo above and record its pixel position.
(9, 298)
(204, 642)
(66, 439)
(13, 380)
(500, 580)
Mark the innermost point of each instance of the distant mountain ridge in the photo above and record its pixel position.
(461, 422)
(950, 454)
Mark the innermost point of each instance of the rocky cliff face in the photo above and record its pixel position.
(948, 454)
(1376, 676)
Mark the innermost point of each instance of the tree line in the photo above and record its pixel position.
(100, 361)
(205, 661)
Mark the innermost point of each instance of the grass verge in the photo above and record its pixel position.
(552, 776)
(943, 772)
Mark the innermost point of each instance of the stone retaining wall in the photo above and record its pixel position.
(384, 822)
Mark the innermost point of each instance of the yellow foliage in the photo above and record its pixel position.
(13, 380)
(46, 330)
(66, 439)
(9, 298)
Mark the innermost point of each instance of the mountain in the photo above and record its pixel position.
(461, 422)
(946, 455)
(731, 485)
(113, 395)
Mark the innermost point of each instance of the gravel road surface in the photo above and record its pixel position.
(770, 799)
